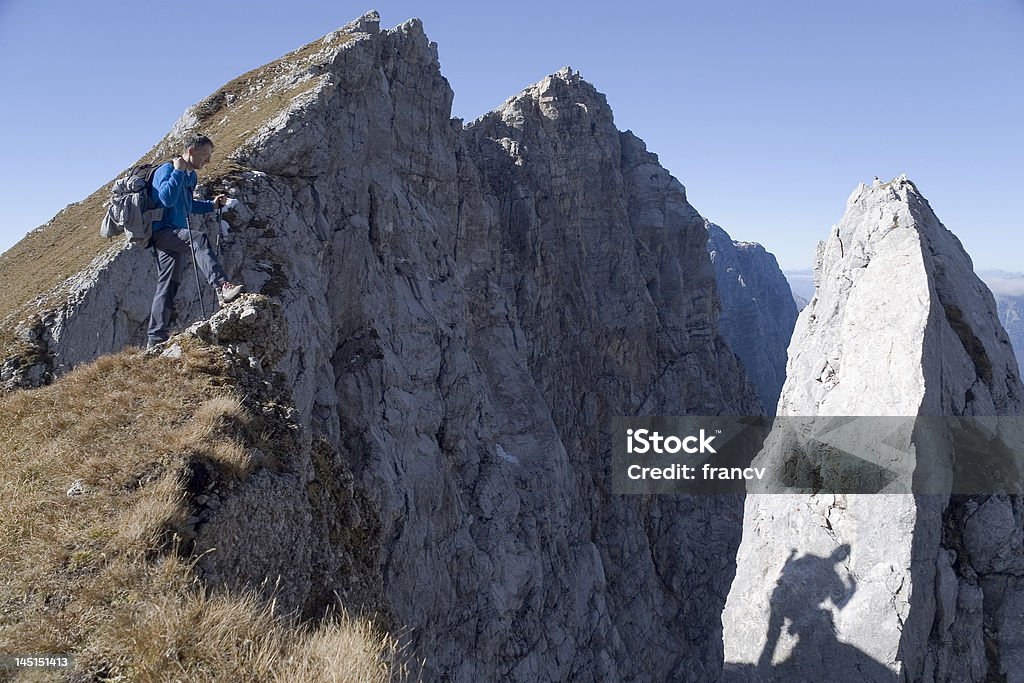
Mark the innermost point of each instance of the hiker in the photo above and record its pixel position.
(174, 242)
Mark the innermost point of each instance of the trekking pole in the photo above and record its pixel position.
(195, 266)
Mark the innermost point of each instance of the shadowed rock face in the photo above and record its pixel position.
(467, 310)
(900, 326)
(758, 310)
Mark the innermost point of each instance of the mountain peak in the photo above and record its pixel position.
(900, 188)
(891, 269)
(284, 104)
(562, 104)
(368, 23)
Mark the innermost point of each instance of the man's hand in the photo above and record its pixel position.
(219, 201)
(181, 165)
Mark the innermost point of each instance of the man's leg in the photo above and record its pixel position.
(207, 261)
(211, 268)
(172, 254)
(169, 267)
(775, 624)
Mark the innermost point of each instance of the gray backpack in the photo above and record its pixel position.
(130, 209)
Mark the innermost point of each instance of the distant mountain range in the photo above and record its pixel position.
(1008, 290)
(802, 284)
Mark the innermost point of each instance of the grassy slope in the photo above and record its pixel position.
(103, 574)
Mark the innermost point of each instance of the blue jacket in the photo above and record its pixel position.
(172, 189)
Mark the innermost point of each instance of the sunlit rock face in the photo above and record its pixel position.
(886, 587)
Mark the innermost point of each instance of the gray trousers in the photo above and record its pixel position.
(172, 253)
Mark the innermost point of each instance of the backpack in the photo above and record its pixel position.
(130, 209)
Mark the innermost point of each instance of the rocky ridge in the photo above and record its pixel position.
(469, 307)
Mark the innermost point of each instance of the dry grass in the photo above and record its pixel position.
(102, 574)
(220, 638)
(240, 108)
(230, 126)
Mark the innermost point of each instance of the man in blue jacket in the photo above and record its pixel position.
(173, 184)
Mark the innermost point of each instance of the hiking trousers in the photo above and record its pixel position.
(172, 254)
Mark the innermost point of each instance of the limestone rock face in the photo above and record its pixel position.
(900, 326)
(584, 254)
(465, 311)
(253, 327)
(758, 310)
(880, 249)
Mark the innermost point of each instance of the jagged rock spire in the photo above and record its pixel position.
(899, 326)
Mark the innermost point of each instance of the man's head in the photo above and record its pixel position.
(841, 553)
(198, 150)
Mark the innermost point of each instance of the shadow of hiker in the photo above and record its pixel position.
(804, 586)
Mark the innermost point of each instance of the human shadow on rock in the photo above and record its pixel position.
(798, 605)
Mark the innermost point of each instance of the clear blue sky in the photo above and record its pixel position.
(769, 113)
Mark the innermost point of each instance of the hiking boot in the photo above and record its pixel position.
(228, 292)
(153, 343)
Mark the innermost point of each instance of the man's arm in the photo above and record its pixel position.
(202, 206)
(170, 185)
